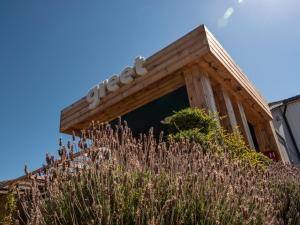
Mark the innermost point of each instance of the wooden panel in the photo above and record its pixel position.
(183, 57)
(199, 89)
(132, 88)
(150, 93)
(156, 63)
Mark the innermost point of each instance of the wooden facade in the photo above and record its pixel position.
(212, 79)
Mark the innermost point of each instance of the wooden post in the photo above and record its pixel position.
(230, 111)
(225, 108)
(268, 142)
(243, 123)
(199, 89)
(262, 139)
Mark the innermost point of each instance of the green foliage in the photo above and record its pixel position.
(191, 118)
(192, 134)
(237, 146)
(197, 125)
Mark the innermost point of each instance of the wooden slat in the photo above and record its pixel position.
(176, 44)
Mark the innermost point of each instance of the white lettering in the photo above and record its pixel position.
(139, 66)
(93, 97)
(98, 92)
(102, 89)
(126, 76)
(113, 83)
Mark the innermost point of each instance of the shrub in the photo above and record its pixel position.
(192, 134)
(236, 144)
(197, 125)
(123, 180)
(191, 118)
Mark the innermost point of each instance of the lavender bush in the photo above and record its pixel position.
(119, 179)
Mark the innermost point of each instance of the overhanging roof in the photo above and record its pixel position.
(198, 46)
(279, 103)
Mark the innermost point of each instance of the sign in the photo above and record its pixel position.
(112, 84)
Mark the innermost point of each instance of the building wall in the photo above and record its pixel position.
(293, 115)
(282, 131)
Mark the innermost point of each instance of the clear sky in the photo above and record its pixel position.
(52, 52)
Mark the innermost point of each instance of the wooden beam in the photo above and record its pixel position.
(242, 122)
(230, 111)
(221, 107)
(199, 89)
(225, 107)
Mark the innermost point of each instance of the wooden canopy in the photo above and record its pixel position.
(196, 53)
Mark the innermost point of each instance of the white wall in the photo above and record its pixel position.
(284, 137)
(293, 115)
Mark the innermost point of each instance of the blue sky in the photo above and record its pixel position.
(52, 52)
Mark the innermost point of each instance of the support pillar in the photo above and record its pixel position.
(243, 123)
(225, 108)
(199, 89)
(268, 142)
(230, 111)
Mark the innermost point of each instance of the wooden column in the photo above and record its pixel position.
(199, 89)
(230, 111)
(221, 107)
(268, 142)
(225, 108)
(242, 122)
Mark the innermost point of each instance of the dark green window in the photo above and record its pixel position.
(151, 114)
